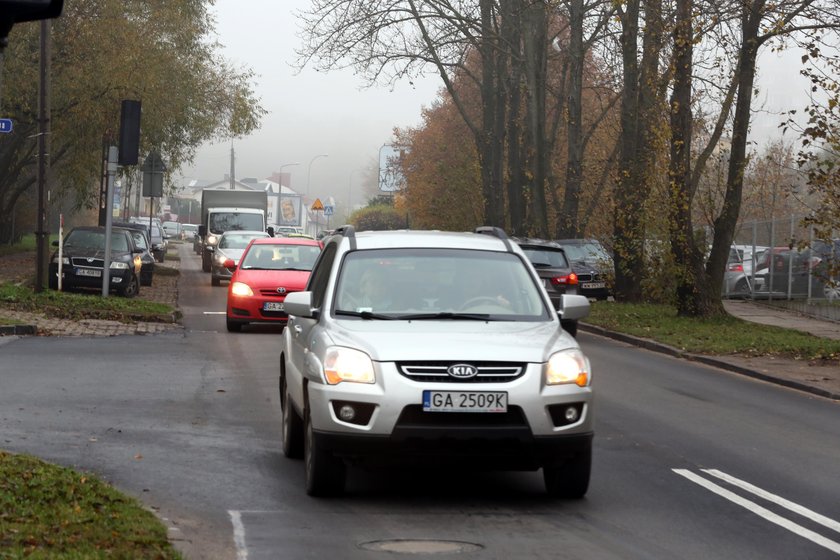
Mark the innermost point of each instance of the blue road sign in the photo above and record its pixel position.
(328, 210)
(6, 125)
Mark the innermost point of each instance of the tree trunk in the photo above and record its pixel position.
(569, 219)
(515, 177)
(727, 220)
(534, 23)
(693, 299)
(639, 117)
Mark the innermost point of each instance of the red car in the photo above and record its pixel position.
(270, 268)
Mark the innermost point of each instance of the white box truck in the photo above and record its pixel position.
(225, 210)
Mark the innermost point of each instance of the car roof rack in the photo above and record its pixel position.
(349, 232)
(496, 232)
(345, 230)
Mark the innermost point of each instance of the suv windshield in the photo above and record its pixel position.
(437, 283)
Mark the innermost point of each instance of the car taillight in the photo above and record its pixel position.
(565, 280)
(737, 267)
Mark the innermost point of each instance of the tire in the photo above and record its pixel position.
(215, 281)
(742, 289)
(325, 473)
(234, 326)
(205, 262)
(570, 327)
(292, 428)
(131, 289)
(146, 279)
(571, 479)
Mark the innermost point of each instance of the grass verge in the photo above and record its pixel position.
(52, 512)
(718, 336)
(83, 306)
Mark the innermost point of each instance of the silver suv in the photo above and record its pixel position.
(414, 346)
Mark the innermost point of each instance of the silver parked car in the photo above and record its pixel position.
(413, 346)
(228, 251)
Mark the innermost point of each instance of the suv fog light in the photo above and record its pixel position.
(347, 413)
(357, 413)
(565, 414)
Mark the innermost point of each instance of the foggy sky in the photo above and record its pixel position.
(315, 113)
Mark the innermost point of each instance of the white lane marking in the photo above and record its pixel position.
(238, 534)
(796, 508)
(215, 312)
(760, 511)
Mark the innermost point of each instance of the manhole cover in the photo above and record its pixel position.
(420, 546)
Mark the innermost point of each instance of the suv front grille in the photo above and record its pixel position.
(83, 261)
(436, 372)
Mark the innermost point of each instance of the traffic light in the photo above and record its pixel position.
(18, 11)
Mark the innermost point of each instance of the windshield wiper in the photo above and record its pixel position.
(446, 315)
(365, 315)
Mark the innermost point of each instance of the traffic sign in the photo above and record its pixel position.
(328, 210)
(317, 205)
(6, 125)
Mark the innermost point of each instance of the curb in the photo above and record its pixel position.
(653, 346)
(12, 330)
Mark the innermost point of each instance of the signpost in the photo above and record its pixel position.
(6, 126)
(328, 211)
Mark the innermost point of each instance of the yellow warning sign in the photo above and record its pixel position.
(317, 205)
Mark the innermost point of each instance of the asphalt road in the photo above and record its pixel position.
(690, 462)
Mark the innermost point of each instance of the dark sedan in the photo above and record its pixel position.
(82, 261)
(554, 269)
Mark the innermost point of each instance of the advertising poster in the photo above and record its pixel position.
(290, 210)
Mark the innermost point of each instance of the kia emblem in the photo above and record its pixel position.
(462, 371)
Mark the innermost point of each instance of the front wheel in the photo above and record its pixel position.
(570, 479)
(292, 426)
(131, 289)
(233, 326)
(570, 327)
(325, 473)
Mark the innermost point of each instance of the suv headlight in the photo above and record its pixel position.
(212, 239)
(568, 366)
(64, 260)
(119, 265)
(346, 364)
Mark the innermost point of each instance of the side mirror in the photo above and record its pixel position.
(299, 304)
(210, 248)
(573, 307)
(230, 264)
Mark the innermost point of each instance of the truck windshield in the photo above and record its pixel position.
(221, 222)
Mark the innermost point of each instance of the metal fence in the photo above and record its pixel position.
(782, 260)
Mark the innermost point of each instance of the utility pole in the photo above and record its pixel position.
(232, 173)
(42, 235)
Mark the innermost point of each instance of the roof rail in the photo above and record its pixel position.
(492, 230)
(349, 232)
(495, 232)
(346, 231)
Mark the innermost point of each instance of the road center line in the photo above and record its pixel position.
(760, 511)
(796, 508)
(238, 534)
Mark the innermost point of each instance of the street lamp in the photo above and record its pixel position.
(280, 173)
(309, 172)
